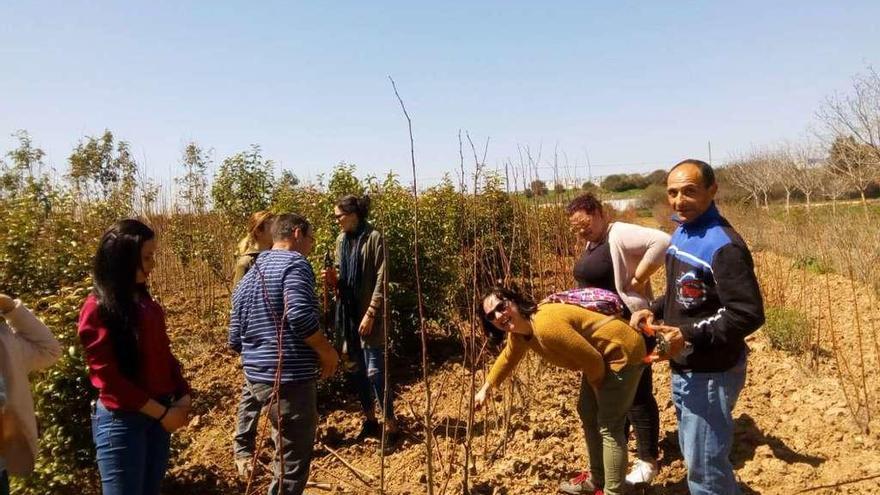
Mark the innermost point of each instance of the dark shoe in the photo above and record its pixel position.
(392, 441)
(370, 428)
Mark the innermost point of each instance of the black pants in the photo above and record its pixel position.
(644, 416)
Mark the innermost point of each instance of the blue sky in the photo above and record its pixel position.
(637, 85)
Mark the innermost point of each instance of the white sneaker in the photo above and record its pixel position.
(642, 473)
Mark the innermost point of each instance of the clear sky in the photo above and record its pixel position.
(636, 85)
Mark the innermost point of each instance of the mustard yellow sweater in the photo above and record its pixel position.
(565, 335)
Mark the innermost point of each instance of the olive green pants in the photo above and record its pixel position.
(603, 419)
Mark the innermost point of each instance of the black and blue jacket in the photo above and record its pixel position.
(712, 292)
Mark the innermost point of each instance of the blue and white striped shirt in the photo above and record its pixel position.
(287, 277)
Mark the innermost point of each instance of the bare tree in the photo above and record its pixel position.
(780, 169)
(754, 172)
(854, 163)
(852, 122)
(807, 171)
(738, 173)
(833, 186)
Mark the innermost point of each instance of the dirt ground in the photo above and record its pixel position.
(795, 427)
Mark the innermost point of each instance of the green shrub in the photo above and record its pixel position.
(787, 329)
(811, 264)
(243, 185)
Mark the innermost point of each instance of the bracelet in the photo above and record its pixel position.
(160, 418)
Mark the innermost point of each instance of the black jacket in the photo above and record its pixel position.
(712, 293)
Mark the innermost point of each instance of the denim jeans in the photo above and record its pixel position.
(369, 380)
(246, 425)
(603, 418)
(295, 442)
(704, 407)
(132, 451)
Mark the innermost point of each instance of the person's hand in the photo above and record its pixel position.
(638, 285)
(184, 402)
(675, 343)
(480, 396)
(7, 303)
(329, 361)
(330, 278)
(640, 318)
(174, 419)
(366, 326)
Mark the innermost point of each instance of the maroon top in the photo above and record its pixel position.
(159, 373)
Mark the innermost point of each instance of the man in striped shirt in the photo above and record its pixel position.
(274, 326)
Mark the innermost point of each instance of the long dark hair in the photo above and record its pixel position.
(114, 275)
(525, 306)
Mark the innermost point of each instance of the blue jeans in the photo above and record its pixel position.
(704, 407)
(369, 379)
(132, 451)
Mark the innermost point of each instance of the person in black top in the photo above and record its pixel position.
(621, 257)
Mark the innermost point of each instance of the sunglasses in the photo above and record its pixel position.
(493, 315)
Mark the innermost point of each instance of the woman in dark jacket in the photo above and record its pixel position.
(359, 308)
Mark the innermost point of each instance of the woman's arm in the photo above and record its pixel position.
(378, 297)
(37, 346)
(504, 365)
(649, 245)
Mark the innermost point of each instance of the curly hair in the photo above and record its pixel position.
(585, 202)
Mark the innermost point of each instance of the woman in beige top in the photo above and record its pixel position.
(25, 345)
(605, 349)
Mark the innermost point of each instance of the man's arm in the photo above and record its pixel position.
(742, 307)
(326, 353)
(302, 314)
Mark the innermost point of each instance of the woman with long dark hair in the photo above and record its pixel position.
(359, 304)
(142, 395)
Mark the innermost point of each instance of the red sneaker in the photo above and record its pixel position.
(581, 484)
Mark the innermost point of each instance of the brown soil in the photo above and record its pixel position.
(795, 426)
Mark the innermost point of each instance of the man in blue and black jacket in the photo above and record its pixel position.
(712, 302)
